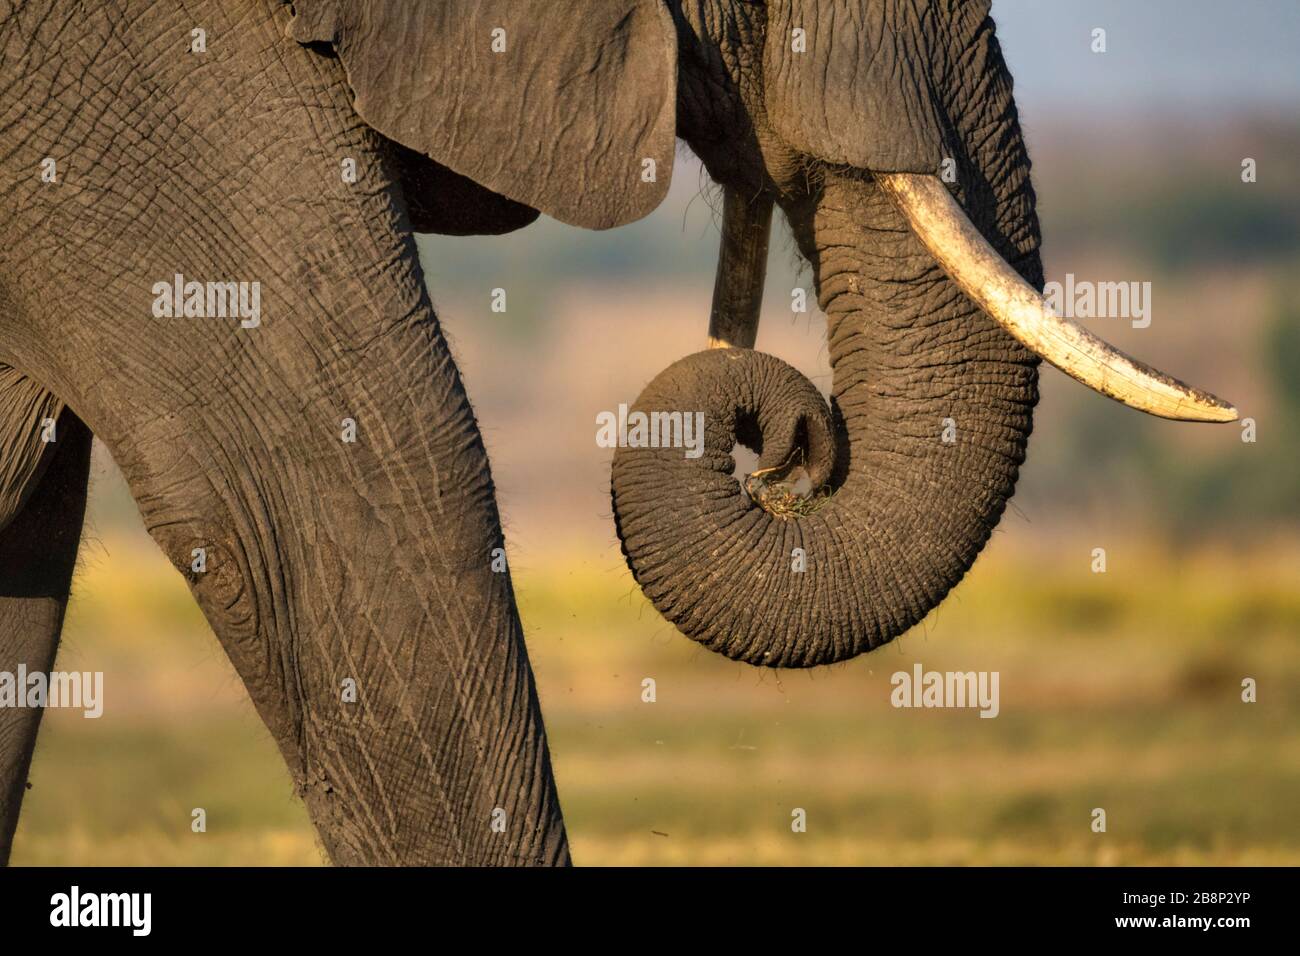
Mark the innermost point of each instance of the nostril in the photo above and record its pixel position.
(796, 436)
(772, 422)
(786, 493)
(793, 463)
(773, 492)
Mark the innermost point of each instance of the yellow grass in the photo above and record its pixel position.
(1119, 691)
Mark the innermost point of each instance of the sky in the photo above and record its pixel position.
(1194, 55)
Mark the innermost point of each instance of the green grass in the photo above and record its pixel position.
(1119, 691)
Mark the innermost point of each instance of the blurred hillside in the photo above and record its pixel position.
(1163, 201)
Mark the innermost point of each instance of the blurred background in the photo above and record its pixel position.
(1119, 690)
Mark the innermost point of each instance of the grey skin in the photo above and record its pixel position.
(372, 560)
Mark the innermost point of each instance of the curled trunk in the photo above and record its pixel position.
(914, 460)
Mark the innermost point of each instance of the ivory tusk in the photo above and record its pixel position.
(943, 227)
(742, 268)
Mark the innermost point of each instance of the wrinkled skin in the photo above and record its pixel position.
(371, 560)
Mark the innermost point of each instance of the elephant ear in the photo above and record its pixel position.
(849, 81)
(565, 107)
(450, 204)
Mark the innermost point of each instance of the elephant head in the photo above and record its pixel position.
(887, 133)
(316, 470)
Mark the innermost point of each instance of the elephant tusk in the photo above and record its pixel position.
(742, 268)
(941, 224)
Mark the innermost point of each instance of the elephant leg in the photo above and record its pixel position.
(42, 503)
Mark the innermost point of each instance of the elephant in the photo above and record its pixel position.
(208, 262)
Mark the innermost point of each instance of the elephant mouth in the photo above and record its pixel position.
(981, 273)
